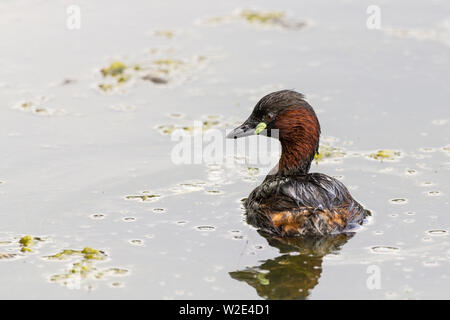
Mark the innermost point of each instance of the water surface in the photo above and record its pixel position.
(85, 167)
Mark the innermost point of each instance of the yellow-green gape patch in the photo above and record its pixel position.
(260, 127)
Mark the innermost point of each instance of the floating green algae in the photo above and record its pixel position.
(209, 123)
(163, 67)
(26, 242)
(262, 17)
(111, 272)
(106, 87)
(168, 62)
(84, 268)
(36, 107)
(144, 197)
(385, 155)
(86, 253)
(328, 152)
(116, 68)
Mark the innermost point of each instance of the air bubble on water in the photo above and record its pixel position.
(437, 232)
(384, 249)
(398, 201)
(206, 228)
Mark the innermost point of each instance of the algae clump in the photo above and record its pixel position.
(384, 155)
(328, 152)
(26, 242)
(262, 17)
(116, 68)
(144, 197)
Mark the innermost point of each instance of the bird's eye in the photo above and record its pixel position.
(268, 117)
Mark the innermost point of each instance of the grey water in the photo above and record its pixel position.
(86, 157)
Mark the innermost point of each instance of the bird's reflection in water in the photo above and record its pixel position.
(294, 273)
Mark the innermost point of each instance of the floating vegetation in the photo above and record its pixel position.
(277, 19)
(188, 187)
(105, 87)
(158, 70)
(26, 242)
(115, 69)
(36, 107)
(86, 253)
(197, 126)
(83, 268)
(446, 149)
(145, 197)
(262, 17)
(327, 152)
(385, 155)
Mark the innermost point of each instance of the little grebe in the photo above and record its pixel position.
(291, 201)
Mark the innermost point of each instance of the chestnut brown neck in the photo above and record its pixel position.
(299, 132)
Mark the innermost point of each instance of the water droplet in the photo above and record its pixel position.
(137, 242)
(206, 228)
(384, 249)
(116, 285)
(399, 201)
(214, 192)
(437, 232)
